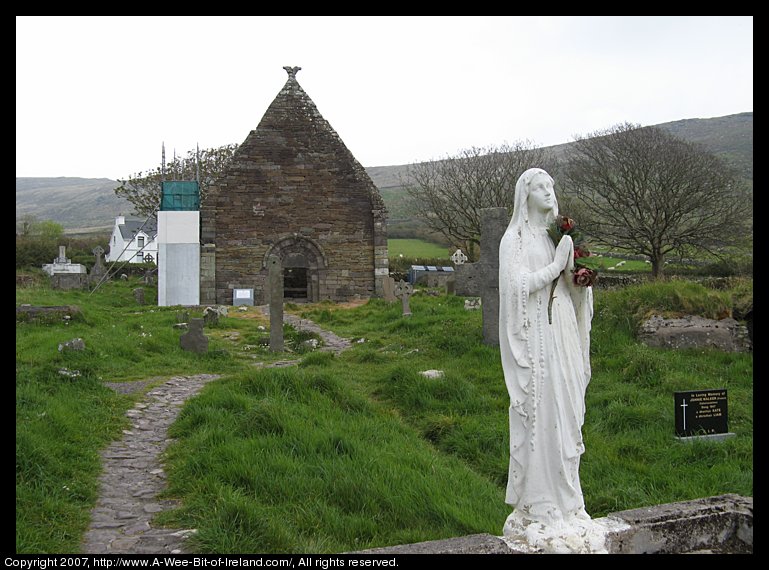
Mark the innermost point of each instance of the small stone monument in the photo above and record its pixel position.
(194, 340)
(404, 291)
(64, 274)
(149, 276)
(139, 295)
(388, 289)
(458, 257)
(275, 278)
(98, 270)
(481, 279)
(210, 316)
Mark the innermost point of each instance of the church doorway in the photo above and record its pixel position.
(304, 268)
(295, 283)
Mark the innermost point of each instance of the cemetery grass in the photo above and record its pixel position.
(63, 421)
(358, 450)
(354, 451)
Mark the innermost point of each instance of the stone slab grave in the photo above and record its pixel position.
(46, 314)
(713, 525)
(481, 279)
(695, 332)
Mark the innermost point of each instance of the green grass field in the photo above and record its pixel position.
(417, 249)
(356, 451)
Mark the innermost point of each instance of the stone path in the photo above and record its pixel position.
(133, 477)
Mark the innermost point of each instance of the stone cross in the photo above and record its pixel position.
(481, 279)
(404, 291)
(458, 257)
(97, 271)
(275, 278)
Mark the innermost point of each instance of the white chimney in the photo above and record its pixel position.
(120, 220)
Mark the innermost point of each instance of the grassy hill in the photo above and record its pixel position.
(90, 203)
(79, 204)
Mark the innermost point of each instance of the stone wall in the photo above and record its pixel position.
(293, 189)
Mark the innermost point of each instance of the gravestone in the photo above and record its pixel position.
(388, 289)
(64, 274)
(275, 279)
(404, 291)
(182, 317)
(149, 276)
(481, 279)
(139, 295)
(458, 257)
(98, 270)
(194, 340)
(210, 316)
(701, 413)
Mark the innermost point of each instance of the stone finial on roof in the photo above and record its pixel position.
(292, 71)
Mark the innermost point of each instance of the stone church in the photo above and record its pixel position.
(293, 190)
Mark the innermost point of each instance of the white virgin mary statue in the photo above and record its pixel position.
(547, 369)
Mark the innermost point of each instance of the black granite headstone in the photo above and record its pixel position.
(701, 412)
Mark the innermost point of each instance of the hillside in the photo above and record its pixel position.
(82, 204)
(79, 204)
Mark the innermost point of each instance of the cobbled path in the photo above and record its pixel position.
(133, 477)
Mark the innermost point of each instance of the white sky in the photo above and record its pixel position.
(97, 96)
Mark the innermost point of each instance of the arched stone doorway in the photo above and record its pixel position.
(304, 268)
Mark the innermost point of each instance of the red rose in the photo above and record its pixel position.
(567, 224)
(580, 251)
(584, 277)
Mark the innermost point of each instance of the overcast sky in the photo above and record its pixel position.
(97, 96)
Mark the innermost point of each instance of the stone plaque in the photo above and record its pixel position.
(701, 412)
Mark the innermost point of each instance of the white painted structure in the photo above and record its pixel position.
(131, 241)
(63, 264)
(179, 258)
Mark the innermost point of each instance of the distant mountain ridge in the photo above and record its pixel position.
(90, 204)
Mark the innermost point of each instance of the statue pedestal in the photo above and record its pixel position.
(575, 535)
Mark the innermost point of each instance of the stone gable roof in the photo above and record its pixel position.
(292, 124)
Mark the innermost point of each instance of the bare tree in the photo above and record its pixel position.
(143, 189)
(645, 191)
(448, 194)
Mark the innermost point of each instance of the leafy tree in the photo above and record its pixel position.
(448, 194)
(143, 188)
(645, 191)
(37, 242)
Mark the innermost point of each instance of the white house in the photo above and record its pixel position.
(132, 242)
